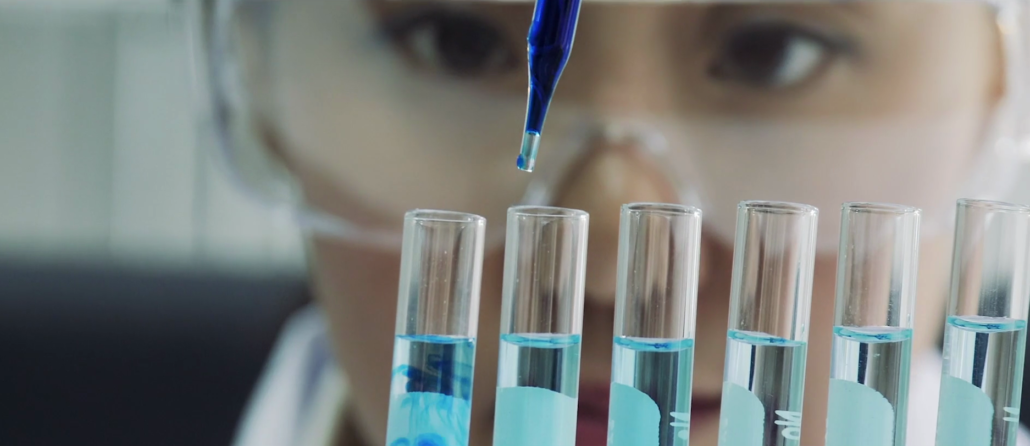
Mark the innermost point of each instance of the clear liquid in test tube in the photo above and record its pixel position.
(985, 329)
(541, 327)
(655, 312)
(437, 318)
(770, 299)
(877, 268)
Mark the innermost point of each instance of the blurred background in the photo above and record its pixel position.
(131, 271)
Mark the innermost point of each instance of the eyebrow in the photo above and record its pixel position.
(845, 9)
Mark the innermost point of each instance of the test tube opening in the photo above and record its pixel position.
(656, 290)
(877, 265)
(554, 212)
(991, 260)
(773, 262)
(545, 267)
(441, 271)
(776, 208)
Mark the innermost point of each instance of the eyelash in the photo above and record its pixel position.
(836, 43)
(398, 29)
(402, 28)
(396, 26)
(833, 45)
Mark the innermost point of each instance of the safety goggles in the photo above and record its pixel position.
(345, 114)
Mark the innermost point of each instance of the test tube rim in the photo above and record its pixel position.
(994, 205)
(441, 216)
(778, 207)
(868, 207)
(547, 211)
(667, 209)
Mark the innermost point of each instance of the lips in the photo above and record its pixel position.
(592, 418)
(592, 422)
(704, 410)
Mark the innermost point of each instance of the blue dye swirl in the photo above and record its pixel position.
(431, 391)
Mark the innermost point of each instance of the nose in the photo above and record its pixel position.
(626, 65)
(616, 75)
(608, 175)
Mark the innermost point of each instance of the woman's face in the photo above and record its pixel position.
(382, 106)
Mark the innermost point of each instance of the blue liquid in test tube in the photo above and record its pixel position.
(538, 386)
(655, 312)
(435, 344)
(541, 323)
(868, 404)
(762, 391)
(985, 330)
(767, 340)
(650, 395)
(431, 391)
(981, 385)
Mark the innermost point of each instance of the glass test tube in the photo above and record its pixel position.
(437, 316)
(770, 298)
(655, 309)
(541, 324)
(877, 268)
(985, 330)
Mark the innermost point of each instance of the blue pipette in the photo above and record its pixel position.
(550, 42)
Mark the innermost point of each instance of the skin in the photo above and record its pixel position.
(656, 65)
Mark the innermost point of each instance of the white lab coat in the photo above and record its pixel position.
(300, 395)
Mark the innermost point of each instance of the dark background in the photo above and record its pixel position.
(113, 355)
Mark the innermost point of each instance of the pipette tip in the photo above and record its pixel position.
(530, 145)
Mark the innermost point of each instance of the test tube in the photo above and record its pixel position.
(985, 330)
(770, 299)
(437, 316)
(877, 267)
(541, 324)
(655, 308)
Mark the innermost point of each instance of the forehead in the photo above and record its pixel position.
(860, 7)
(677, 18)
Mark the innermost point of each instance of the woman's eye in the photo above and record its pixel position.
(454, 42)
(773, 55)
